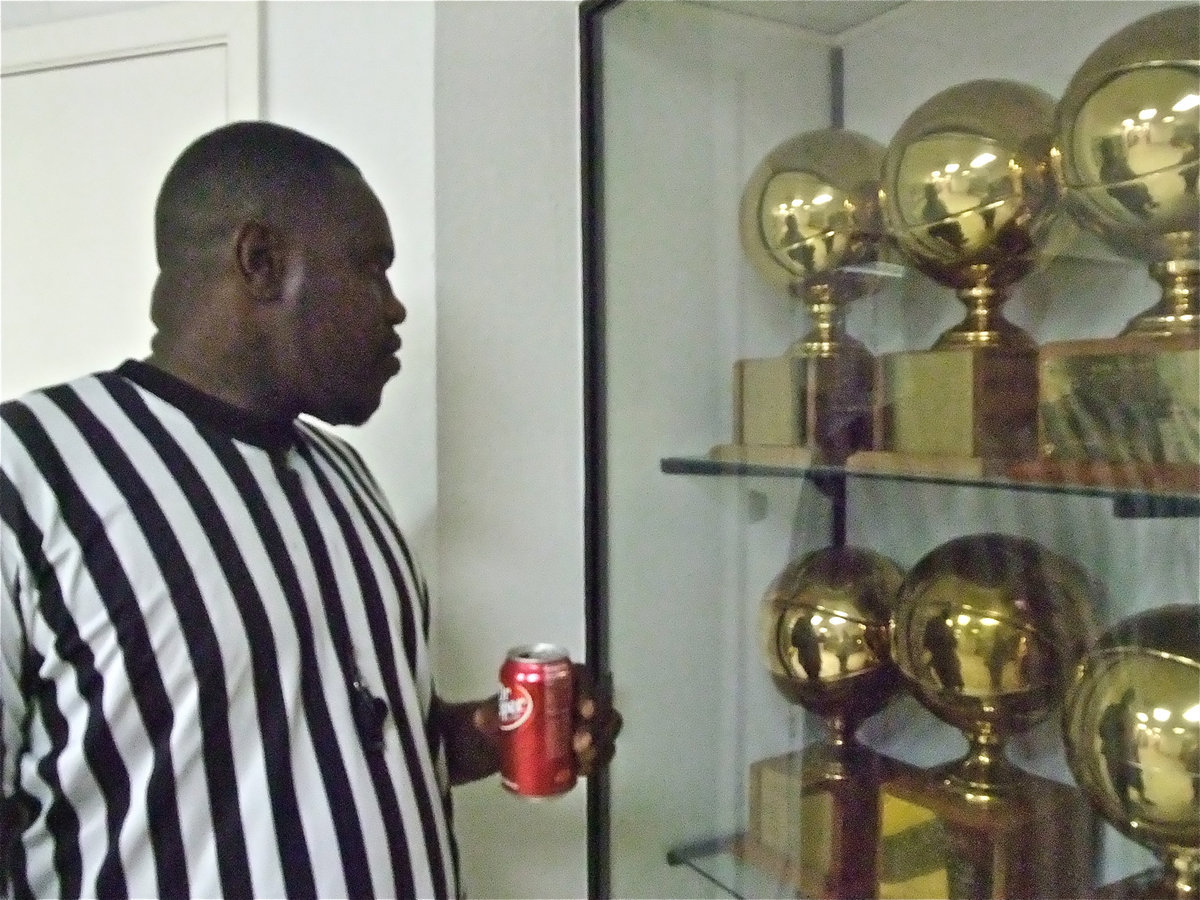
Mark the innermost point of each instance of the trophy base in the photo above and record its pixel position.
(1123, 400)
(798, 400)
(960, 402)
(893, 830)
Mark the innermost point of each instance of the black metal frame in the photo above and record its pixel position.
(595, 506)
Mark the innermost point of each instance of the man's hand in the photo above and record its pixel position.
(472, 731)
(597, 723)
(472, 735)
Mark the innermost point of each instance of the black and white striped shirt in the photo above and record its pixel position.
(186, 596)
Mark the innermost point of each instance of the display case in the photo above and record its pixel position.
(768, 752)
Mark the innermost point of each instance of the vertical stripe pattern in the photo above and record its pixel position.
(184, 605)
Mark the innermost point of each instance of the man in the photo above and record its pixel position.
(215, 678)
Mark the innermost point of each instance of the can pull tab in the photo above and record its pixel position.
(370, 712)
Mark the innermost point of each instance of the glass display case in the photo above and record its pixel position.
(853, 577)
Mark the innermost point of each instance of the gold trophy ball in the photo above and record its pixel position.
(986, 631)
(809, 211)
(811, 206)
(1127, 131)
(969, 199)
(1131, 729)
(824, 627)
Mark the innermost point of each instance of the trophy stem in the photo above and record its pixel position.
(1186, 866)
(841, 732)
(984, 325)
(829, 322)
(827, 297)
(1176, 312)
(840, 755)
(984, 773)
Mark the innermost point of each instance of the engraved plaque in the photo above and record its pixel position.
(1122, 400)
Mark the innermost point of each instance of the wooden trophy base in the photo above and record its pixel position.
(797, 401)
(968, 403)
(887, 829)
(1121, 400)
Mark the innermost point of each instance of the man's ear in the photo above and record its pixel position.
(259, 256)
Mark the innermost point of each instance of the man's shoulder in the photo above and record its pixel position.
(18, 409)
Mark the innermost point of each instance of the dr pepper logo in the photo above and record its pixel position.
(516, 706)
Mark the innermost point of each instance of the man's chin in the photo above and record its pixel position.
(353, 412)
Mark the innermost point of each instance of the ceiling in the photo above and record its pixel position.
(827, 17)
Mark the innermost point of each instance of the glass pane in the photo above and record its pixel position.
(726, 782)
(692, 100)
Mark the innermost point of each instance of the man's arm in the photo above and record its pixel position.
(471, 732)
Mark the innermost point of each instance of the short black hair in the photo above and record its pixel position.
(237, 172)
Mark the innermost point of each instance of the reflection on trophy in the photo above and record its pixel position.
(969, 200)
(815, 815)
(986, 631)
(824, 628)
(1131, 726)
(809, 211)
(1127, 132)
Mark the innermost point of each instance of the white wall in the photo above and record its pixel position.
(509, 395)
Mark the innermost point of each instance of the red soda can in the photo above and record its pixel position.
(537, 704)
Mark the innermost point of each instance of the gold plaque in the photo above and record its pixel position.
(1122, 400)
(768, 405)
(821, 402)
(958, 403)
(894, 830)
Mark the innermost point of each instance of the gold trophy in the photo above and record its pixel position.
(1131, 725)
(1127, 131)
(815, 815)
(985, 632)
(969, 200)
(809, 213)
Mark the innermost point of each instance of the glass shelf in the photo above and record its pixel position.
(717, 861)
(1138, 491)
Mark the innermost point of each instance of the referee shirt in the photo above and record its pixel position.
(189, 595)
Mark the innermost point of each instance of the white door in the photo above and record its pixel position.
(95, 111)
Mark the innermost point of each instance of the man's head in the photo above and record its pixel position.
(273, 292)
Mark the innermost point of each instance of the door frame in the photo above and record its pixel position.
(161, 28)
